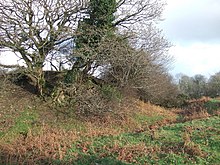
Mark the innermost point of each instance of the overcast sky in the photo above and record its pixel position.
(193, 27)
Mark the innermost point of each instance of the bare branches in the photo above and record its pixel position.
(132, 12)
(139, 18)
(34, 27)
(10, 66)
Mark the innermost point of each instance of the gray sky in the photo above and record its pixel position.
(193, 27)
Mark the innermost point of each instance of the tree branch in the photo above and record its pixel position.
(10, 66)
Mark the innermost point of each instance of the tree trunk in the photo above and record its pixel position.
(37, 77)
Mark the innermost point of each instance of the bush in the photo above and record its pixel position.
(111, 93)
(85, 98)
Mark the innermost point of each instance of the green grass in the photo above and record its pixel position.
(215, 101)
(148, 120)
(167, 147)
(21, 126)
(212, 106)
(204, 136)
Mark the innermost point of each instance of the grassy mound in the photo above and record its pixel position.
(32, 132)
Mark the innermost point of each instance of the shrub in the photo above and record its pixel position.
(85, 98)
(111, 93)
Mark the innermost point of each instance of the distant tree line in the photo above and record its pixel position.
(198, 85)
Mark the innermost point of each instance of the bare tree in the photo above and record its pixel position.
(193, 87)
(32, 28)
(121, 64)
(214, 85)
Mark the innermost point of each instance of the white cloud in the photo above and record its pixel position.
(192, 20)
(198, 58)
(193, 27)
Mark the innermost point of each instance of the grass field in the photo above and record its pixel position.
(195, 142)
(139, 133)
